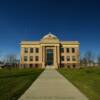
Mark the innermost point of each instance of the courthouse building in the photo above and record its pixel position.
(49, 52)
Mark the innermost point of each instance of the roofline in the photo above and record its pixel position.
(39, 42)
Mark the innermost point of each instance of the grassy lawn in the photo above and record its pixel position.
(14, 82)
(86, 79)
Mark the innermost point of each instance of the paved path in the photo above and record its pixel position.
(51, 85)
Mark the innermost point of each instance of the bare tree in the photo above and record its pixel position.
(98, 60)
(89, 58)
(83, 61)
(11, 60)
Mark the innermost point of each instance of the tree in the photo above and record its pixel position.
(98, 60)
(11, 60)
(83, 61)
(89, 58)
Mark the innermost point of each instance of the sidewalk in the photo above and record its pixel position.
(51, 85)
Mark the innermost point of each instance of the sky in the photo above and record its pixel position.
(77, 20)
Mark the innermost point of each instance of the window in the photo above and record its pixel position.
(37, 50)
(62, 58)
(67, 50)
(31, 50)
(73, 50)
(74, 65)
(36, 65)
(25, 58)
(31, 65)
(62, 49)
(62, 65)
(25, 65)
(26, 50)
(68, 58)
(68, 66)
(36, 58)
(73, 58)
(31, 58)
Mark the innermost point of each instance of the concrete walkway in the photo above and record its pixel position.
(51, 85)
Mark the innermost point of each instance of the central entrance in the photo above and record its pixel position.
(49, 57)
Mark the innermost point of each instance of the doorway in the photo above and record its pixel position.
(49, 57)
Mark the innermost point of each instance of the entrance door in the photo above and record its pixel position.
(49, 60)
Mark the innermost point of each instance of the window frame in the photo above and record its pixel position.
(25, 58)
(73, 58)
(62, 50)
(36, 58)
(67, 50)
(31, 50)
(31, 59)
(73, 50)
(63, 58)
(67, 58)
(25, 50)
(36, 50)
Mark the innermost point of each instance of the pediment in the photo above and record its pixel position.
(49, 38)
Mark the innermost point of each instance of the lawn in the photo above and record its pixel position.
(86, 79)
(14, 82)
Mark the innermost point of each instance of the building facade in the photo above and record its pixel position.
(49, 51)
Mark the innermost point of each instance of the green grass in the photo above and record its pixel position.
(14, 82)
(86, 79)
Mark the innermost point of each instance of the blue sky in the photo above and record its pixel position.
(32, 19)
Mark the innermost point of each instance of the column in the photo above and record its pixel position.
(43, 57)
(28, 64)
(55, 57)
(58, 53)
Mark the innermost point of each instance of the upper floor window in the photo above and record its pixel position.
(73, 58)
(73, 50)
(62, 49)
(62, 58)
(31, 58)
(67, 50)
(36, 58)
(25, 58)
(31, 50)
(37, 50)
(68, 58)
(26, 50)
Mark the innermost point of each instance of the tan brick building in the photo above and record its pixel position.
(50, 51)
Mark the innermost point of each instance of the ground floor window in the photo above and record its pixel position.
(74, 65)
(68, 66)
(25, 65)
(31, 65)
(62, 65)
(36, 65)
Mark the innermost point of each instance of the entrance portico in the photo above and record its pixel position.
(50, 57)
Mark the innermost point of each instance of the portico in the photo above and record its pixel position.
(50, 56)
